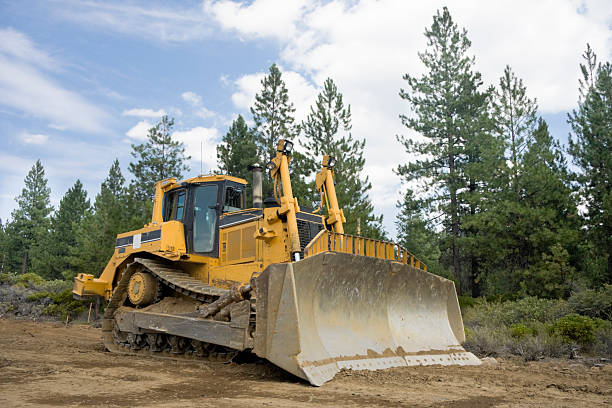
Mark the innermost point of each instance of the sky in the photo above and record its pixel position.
(80, 81)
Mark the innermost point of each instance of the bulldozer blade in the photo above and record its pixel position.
(334, 310)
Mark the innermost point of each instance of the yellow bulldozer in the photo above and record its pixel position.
(210, 278)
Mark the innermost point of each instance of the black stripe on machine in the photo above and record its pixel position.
(145, 237)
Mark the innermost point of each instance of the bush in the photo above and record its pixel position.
(29, 280)
(603, 341)
(466, 301)
(499, 342)
(576, 328)
(592, 303)
(520, 331)
(7, 278)
(524, 311)
(538, 346)
(39, 295)
(64, 304)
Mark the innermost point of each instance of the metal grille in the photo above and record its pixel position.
(307, 231)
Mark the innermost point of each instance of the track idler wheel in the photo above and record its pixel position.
(157, 342)
(178, 344)
(142, 288)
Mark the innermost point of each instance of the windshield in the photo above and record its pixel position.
(205, 218)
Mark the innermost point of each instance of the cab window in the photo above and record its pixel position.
(234, 199)
(174, 205)
(205, 218)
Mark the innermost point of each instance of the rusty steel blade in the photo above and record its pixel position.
(333, 311)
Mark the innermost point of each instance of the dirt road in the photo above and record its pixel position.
(46, 364)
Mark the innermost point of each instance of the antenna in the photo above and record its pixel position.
(201, 156)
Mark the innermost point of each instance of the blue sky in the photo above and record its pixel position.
(80, 81)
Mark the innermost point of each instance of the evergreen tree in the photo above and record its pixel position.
(516, 117)
(237, 152)
(273, 115)
(30, 220)
(548, 218)
(3, 247)
(158, 158)
(50, 258)
(416, 234)
(502, 204)
(97, 233)
(450, 114)
(327, 131)
(591, 149)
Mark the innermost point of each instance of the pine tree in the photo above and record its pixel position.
(450, 114)
(97, 233)
(3, 247)
(158, 158)
(502, 203)
(327, 130)
(50, 258)
(591, 149)
(30, 220)
(547, 230)
(415, 233)
(516, 117)
(237, 152)
(273, 115)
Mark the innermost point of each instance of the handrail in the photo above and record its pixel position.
(351, 244)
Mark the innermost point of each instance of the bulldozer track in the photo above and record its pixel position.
(181, 282)
(160, 345)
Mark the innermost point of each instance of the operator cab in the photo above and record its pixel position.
(199, 203)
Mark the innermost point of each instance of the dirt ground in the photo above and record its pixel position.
(47, 364)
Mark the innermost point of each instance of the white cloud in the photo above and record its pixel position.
(24, 87)
(247, 87)
(144, 113)
(192, 98)
(172, 25)
(260, 18)
(37, 139)
(139, 131)
(200, 139)
(204, 113)
(18, 45)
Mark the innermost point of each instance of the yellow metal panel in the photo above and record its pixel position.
(248, 243)
(233, 245)
(173, 237)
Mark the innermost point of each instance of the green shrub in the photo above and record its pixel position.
(466, 301)
(576, 328)
(62, 303)
(29, 280)
(603, 341)
(525, 311)
(520, 331)
(592, 303)
(538, 346)
(39, 295)
(7, 278)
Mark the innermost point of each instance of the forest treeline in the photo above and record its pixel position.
(491, 199)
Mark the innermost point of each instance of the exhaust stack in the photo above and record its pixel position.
(257, 186)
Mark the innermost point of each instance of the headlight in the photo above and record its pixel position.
(329, 161)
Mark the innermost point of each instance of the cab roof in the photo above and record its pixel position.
(171, 183)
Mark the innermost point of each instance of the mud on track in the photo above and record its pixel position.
(46, 364)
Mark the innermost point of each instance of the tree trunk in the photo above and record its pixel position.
(476, 287)
(454, 213)
(24, 265)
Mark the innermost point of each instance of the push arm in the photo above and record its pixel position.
(325, 185)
